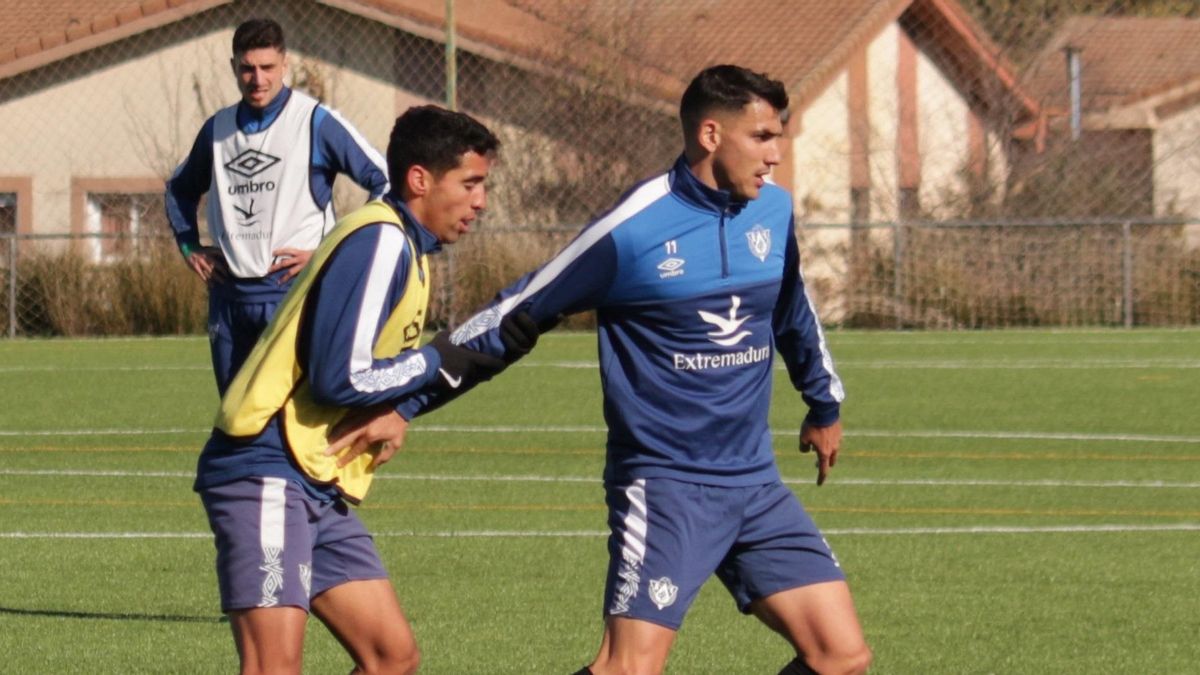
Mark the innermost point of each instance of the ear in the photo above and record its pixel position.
(418, 181)
(709, 134)
(233, 65)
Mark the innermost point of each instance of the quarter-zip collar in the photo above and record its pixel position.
(425, 241)
(690, 189)
(253, 120)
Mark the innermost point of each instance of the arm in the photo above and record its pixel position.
(182, 198)
(801, 343)
(336, 148)
(576, 279)
(339, 148)
(346, 310)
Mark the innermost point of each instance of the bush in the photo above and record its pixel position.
(64, 294)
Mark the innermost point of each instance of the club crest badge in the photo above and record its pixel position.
(663, 592)
(759, 239)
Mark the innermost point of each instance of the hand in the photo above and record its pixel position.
(519, 333)
(462, 365)
(291, 259)
(379, 430)
(826, 441)
(208, 263)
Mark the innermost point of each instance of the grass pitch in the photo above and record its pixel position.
(1020, 501)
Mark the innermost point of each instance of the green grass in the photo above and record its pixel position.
(1004, 502)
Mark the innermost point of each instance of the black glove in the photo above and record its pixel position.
(519, 333)
(463, 368)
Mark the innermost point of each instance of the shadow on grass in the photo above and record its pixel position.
(113, 616)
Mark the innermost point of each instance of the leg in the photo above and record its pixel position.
(263, 547)
(247, 321)
(633, 647)
(367, 619)
(269, 640)
(667, 539)
(821, 624)
(220, 338)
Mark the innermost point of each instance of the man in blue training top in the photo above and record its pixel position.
(344, 346)
(695, 277)
(268, 164)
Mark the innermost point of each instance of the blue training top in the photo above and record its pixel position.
(694, 292)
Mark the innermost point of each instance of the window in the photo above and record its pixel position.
(114, 217)
(8, 224)
(8, 213)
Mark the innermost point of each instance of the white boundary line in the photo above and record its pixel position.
(898, 364)
(588, 429)
(596, 480)
(522, 534)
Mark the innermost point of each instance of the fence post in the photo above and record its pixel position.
(898, 245)
(12, 288)
(451, 58)
(1127, 273)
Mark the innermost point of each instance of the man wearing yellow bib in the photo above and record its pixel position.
(330, 373)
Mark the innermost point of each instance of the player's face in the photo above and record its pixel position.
(260, 75)
(456, 198)
(748, 149)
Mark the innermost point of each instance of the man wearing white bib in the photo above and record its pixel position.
(268, 164)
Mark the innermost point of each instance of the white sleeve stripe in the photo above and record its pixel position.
(836, 390)
(643, 197)
(368, 149)
(383, 268)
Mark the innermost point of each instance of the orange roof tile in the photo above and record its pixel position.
(36, 32)
(661, 44)
(1123, 59)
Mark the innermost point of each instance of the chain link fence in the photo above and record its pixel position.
(953, 163)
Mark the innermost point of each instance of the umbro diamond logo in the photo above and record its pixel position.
(727, 333)
(671, 267)
(251, 163)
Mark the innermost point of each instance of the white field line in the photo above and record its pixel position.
(95, 369)
(884, 364)
(590, 429)
(524, 534)
(595, 480)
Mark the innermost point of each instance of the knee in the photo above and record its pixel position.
(394, 662)
(851, 662)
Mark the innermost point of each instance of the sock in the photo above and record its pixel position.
(797, 666)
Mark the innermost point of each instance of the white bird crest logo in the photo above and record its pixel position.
(727, 333)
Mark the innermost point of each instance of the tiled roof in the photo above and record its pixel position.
(662, 43)
(804, 44)
(36, 32)
(1123, 60)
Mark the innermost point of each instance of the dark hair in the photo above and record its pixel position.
(258, 34)
(435, 138)
(727, 88)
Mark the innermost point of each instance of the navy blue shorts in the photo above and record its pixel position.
(279, 546)
(668, 537)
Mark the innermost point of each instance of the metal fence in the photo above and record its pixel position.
(929, 275)
(953, 163)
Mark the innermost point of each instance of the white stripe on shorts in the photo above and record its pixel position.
(634, 547)
(271, 538)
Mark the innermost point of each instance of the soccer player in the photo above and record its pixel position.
(343, 347)
(695, 276)
(268, 164)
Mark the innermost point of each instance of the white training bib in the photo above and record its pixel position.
(260, 199)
